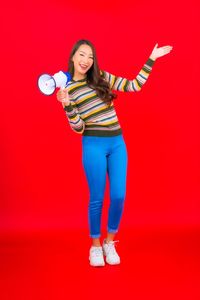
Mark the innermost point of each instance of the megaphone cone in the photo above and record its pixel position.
(47, 83)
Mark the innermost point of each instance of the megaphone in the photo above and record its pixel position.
(47, 84)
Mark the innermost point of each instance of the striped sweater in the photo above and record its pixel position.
(89, 115)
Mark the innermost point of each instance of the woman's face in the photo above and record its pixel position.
(83, 60)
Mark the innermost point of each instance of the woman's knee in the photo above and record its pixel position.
(118, 200)
(96, 202)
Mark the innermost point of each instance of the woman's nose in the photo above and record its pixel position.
(85, 60)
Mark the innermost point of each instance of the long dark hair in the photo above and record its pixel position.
(94, 79)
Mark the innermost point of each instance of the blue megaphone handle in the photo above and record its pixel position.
(69, 76)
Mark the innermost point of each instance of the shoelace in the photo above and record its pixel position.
(111, 246)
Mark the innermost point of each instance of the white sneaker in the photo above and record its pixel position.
(96, 256)
(110, 252)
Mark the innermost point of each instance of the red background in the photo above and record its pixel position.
(44, 193)
(42, 179)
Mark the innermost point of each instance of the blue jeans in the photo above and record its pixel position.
(101, 155)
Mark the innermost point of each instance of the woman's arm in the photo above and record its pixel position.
(125, 85)
(74, 118)
(122, 84)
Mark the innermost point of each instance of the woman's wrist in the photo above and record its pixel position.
(66, 104)
(152, 57)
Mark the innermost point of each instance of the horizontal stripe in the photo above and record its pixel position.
(94, 110)
(114, 124)
(104, 115)
(90, 115)
(102, 133)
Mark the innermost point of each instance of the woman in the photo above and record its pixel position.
(88, 103)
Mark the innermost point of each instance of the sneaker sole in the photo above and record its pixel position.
(113, 264)
(102, 265)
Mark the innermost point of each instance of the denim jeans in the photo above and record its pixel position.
(101, 156)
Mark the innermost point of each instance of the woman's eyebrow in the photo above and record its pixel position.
(86, 53)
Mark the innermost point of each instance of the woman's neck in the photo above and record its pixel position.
(77, 77)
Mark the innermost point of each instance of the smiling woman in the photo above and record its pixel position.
(88, 102)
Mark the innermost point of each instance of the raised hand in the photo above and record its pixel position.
(161, 51)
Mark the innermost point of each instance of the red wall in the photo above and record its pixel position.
(42, 180)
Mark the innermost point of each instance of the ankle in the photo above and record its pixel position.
(96, 242)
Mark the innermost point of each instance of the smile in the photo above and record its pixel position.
(83, 66)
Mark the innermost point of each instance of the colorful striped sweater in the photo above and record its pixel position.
(89, 115)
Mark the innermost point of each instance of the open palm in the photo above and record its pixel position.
(161, 51)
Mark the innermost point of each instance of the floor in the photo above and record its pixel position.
(156, 263)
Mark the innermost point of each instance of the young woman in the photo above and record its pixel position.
(88, 103)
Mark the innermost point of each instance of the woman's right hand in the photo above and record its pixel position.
(63, 97)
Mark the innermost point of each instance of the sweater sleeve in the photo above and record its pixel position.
(125, 85)
(74, 118)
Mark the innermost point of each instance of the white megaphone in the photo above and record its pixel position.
(47, 83)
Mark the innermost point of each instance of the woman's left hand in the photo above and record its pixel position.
(158, 52)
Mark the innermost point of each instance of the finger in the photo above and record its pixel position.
(65, 90)
(61, 93)
(167, 47)
(167, 50)
(156, 45)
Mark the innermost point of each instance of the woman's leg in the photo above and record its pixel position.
(117, 172)
(95, 166)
